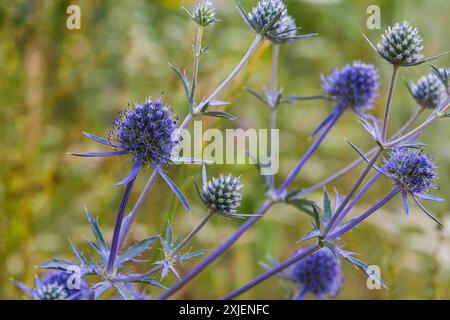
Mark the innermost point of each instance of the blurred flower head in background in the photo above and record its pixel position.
(54, 286)
(355, 85)
(428, 91)
(319, 274)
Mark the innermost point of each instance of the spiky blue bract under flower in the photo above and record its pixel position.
(428, 91)
(401, 44)
(412, 169)
(223, 194)
(355, 85)
(147, 132)
(55, 286)
(320, 273)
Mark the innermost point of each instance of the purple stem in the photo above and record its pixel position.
(115, 240)
(356, 221)
(216, 253)
(358, 196)
(337, 113)
(282, 266)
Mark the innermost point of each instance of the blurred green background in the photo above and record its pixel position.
(55, 83)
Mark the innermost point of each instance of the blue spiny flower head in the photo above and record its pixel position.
(401, 45)
(320, 274)
(223, 194)
(413, 170)
(55, 286)
(146, 132)
(355, 85)
(414, 174)
(204, 13)
(428, 91)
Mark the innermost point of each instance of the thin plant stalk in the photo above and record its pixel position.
(308, 154)
(116, 235)
(366, 214)
(374, 159)
(395, 69)
(256, 43)
(274, 103)
(358, 161)
(194, 231)
(282, 266)
(218, 252)
(197, 54)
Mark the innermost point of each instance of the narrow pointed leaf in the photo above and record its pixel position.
(136, 249)
(98, 154)
(174, 188)
(96, 231)
(101, 140)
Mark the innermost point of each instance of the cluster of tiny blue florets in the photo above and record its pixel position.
(413, 170)
(223, 194)
(320, 273)
(355, 85)
(147, 132)
(54, 286)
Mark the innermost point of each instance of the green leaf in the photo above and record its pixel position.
(96, 231)
(366, 269)
(125, 292)
(78, 254)
(137, 249)
(151, 282)
(316, 218)
(191, 255)
(184, 81)
(315, 233)
(305, 205)
(326, 206)
(219, 114)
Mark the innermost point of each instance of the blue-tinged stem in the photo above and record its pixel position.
(337, 113)
(115, 240)
(388, 102)
(358, 161)
(282, 266)
(355, 200)
(216, 253)
(363, 216)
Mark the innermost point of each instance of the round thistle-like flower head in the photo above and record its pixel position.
(401, 44)
(355, 85)
(265, 12)
(319, 273)
(428, 91)
(55, 287)
(223, 194)
(147, 132)
(413, 170)
(204, 14)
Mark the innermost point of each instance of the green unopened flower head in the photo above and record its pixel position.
(428, 91)
(401, 45)
(204, 13)
(223, 194)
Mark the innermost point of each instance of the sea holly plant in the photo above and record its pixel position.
(148, 134)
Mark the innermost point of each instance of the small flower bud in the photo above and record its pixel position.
(428, 91)
(204, 14)
(223, 194)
